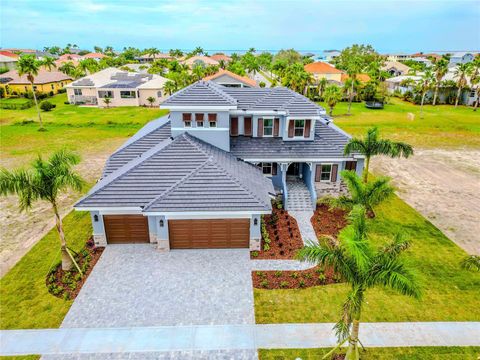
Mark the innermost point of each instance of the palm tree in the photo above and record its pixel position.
(363, 267)
(371, 145)
(322, 84)
(368, 195)
(43, 181)
(107, 101)
(198, 71)
(461, 72)
(354, 68)
(88, 65)
(252, 50)
(29, 65)
(351, 84)
(67, 68)
(424, 85)
(49, 63)
(475, 79)
(170, 87)
(151, 100)
(333, 94)
(198, 51)
(152, 52)
(471, 262)
(440, 68)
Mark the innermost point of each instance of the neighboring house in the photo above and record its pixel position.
(73, 58)
(39, 54)
(147, 58)
(230, 79)
(94, 56)
(329, 55)
(462, 57)
(218, 57)
(202, 176)
(45, 82)
(8, 60)
(200, 60)
(322, 70)
(398, 57)
(363, 78)
(123, 88)
(395, 68)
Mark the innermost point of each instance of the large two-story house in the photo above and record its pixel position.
(202, 176)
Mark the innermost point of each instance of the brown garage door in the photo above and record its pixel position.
(205, 234)
(124, 229)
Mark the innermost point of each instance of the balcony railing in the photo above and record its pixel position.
(81, 99)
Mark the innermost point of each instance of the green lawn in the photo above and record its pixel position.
(443, 126)
(449, 293)
(406, 353)
(84, 129)
(25, 302)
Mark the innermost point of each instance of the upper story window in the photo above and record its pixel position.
(128, 94)
(212, 120)
(299, 127)
(77, 91)
(267, 168)
(199, 119)
(326, 172)
(267, 127)
(187, 120)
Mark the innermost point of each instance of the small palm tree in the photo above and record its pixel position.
(170, 87)
(362, 267)
(461, 72)
(371, 145)
(107, 101)
(368, 195)
(67, 68)
(424, 85)
(440, 68)
(354, 68)
(333, 94)
(198, 71)
(29, 65)
(43, 181)
(49, 63)
(151, 100)
(322, 84)
(475, 79)
(471, 262)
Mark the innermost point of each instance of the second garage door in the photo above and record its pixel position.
(205, 234)
(124, 229)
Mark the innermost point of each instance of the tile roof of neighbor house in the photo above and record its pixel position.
(94, 56)
(329, 142)
(218, 57)
(222, 72)
(156, 56)
(7, 59)
(9, 54)
(208, 93)
(183, 174)
(321, 67)
(360, 77)
(395, 64)
(67, 57)
(199, 59)
(43, 77)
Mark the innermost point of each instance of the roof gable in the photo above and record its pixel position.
(201, 93)
(223, 72)
(320, 67)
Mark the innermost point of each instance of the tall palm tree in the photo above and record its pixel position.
(368, 195)
(198, 71)
(333, 94)
(354, 67)
(170, 87)
(88, 65)
(363, 267)
(44, 181)
(28, 65)
(475, 79)
(67, 68)
(48, 63)
(371, 145)
(461, 72)
(322, 84)
(440, 68)
(424, 85)
(198, 51)
(351, 85)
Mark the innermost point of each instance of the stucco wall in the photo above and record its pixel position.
(146, 93)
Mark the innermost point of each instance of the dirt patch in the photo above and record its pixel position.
(67, 284)
(284, 239)
(294, 279)
(328, 222)
(21, 230)
(444, 186)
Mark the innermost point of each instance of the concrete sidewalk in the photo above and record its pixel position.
(223, 337)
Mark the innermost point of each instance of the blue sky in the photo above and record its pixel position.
(390, 26)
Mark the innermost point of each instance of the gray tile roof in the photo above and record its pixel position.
(201, 93)
(184, 174)
(154, 135)
(328, 143)
(254, 99)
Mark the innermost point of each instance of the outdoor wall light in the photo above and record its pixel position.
(161, 223)
(255, 221)
(95, 218)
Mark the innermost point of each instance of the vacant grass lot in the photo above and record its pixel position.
(84, 129)
(25, 302)
(443, 126)
(412, 353)
(449, 293)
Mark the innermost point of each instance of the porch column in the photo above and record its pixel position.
(99, 237)
(311, 184)
(163, 241)
(283, 169)
(255, 232)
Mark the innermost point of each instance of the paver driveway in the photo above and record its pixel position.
(135, 285)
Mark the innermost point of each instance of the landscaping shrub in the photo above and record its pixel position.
(261, 84)
(61, 91)
(47, 106)
(15, 103)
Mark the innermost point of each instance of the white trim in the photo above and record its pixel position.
(300, 160)
(258, 112)
(304, 117)
(331, 171)
(207, 214)
(273, 126)
(114, 209)
(199, 128)
(198, 107)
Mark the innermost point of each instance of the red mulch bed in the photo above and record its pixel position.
(285, 238)
(328, 222)
(67, 284)
(293, 279)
